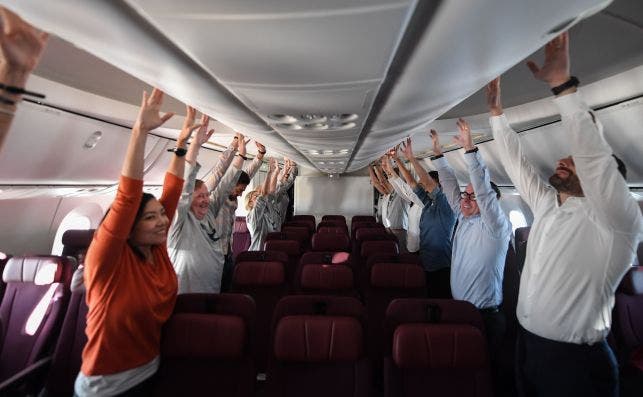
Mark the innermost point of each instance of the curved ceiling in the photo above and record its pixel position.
(330, 84)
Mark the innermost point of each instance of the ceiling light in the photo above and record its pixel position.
(293, 127)
(93, 139)
(313, 152)
(344, 151)
(316, 126)
(313, 118)
(329, 152)
(282, 118)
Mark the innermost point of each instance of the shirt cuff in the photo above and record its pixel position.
(472, 159)
(570, 104)
(440, 163)
(418, 189)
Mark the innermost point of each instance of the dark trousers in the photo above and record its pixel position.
(438, 283)
(495, 325)
(549, 368)
(228, 270)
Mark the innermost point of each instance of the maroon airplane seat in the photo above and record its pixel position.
(327, 279)
(309, 219)
(339, 224)
(364, 276)
(332, 230)
(307, 224)
(372, 247)
(330, 242)
(288, 235)
(67, 357)
(450, 359)
(32, 310)
(240, 236)
(321, 257)
(318, 348)
(355, 226)
(293, 249)
(389, 281)
(363, 218)
(76, 242)
(447, 359)
(628, 316)
(262, 256)
(205, 347)
(266, 283)
(303, 234)
(337, 218)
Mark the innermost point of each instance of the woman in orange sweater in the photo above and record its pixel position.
(131, 284)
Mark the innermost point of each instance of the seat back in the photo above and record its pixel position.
(338, 218)
(307, 224)
(628, 316)
(333, 223)
(240, 236)
(327, 279)
(332, 230)
(288, 235)
(266, 283)
(310, 219)
(318, 348)
(330, 242)
(356, 225)
(363, 218)
(32, 309)
(292, 248)
(205, 347)
(68, 354)
(437, 345)
(75, 243)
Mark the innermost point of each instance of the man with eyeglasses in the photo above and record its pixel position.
(481, 238)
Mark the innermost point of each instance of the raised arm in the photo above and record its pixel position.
(224, 161)
(274, 175)
(177, 163)
(382, 180)
(114, 230)
(252, 168)
(531, 187)
(490, 211)
(602, 184)
(21, 46)
(404, 172)
(192, 167)
(426, 181)
(374, 181)
(449, 182)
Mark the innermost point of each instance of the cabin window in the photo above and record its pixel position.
(73, 220)
(517, 220)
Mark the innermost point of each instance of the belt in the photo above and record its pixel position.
(489, 310)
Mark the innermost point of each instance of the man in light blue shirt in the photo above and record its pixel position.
(481, 239)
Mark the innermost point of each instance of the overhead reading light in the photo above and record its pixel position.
(316, 126)
(313, 118)
(282, 118)
(344, 117)
(287, 126)
(344, 151)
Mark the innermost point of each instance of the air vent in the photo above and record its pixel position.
(314, 122)
(282, 118)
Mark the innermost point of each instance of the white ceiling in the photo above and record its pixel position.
(395, 66)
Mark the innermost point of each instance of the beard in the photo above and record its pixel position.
(570, 185)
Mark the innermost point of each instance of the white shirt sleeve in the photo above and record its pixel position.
(449, 183)
(405, 191)
(527, 181)
(602, 184)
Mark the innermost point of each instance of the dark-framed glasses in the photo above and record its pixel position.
(470, 196)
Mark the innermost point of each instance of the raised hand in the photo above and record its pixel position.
(202, 134)
(272, 165)
(149, 116)
(493, 97)
(407, 149)
(464, 139)
(188, 126)
(242, 143)
(21, 44)
(261, 149)
(437, 148)
(555, 70)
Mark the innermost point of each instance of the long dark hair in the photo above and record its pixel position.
(145, 198)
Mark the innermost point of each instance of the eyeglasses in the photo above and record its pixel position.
(470, 196)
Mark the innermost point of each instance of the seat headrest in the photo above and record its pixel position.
(326, 257)
(331, 230)
(334, 218)
(326, 277)
(439, 346)
(632, 283)
(40, 270)
(370, 247)
(363, 218)
(302, 305)
(262, 256)
(318, 339)
(200, 336)
(290, 247)
(330, 242)
(369, 233)
(397, 275)
(417, 310)
(259, 273)
(78, 238)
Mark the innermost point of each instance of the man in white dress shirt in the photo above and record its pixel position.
(585, 233)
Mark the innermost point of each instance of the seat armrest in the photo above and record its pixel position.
(22, 378)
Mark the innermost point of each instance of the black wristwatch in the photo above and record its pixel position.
(572, 82)
(179, 151)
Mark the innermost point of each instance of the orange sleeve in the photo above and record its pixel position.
(111, 236)
(172, 187)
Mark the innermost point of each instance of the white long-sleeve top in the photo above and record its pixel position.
(578, 251)
(415, 212)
